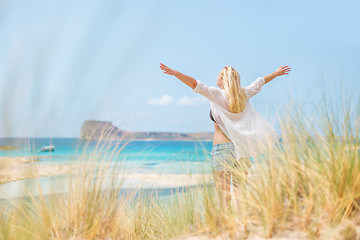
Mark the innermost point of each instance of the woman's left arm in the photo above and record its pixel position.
(191, 82)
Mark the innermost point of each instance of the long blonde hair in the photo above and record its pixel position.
(236, 95)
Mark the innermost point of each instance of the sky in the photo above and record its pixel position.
(64, 62)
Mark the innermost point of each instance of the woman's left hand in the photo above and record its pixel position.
(167, 70)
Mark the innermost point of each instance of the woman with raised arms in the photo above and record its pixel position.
(240, 132)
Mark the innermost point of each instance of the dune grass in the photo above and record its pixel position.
(309, 183)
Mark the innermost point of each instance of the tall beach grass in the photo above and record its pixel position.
(309, 183)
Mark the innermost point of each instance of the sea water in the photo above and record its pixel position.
(135, 157)
(150, 156)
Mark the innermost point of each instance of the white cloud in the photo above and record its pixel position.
(50, 114)
(112, 114)
(102, 98)
(164, 100)
(184, 101)
(43, 114)
(187, 101)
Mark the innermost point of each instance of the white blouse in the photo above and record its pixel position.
(250, 133)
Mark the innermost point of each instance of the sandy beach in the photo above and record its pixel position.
(7, 147)
(257, 233)
(15, 169)
(20, 168)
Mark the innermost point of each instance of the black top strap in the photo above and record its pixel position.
(211, 116)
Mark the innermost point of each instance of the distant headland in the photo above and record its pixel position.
(105, 130)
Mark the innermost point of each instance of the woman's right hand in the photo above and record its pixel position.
(167, 70)
(282, 70)
(191, 82)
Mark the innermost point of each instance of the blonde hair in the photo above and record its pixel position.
(236, 95)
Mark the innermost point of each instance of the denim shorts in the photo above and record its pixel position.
(223, 158)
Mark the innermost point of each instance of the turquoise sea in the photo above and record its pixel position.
(147, 155)
(137, 157)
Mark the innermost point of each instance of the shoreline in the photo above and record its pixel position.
(5, 148)
(120, 139)
(21, 168)
(13, 169)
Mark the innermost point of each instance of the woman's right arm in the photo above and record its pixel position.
(282, 70)
(212, 93)
(190, 81)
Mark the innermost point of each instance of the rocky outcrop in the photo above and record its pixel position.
(95, 130)
(105, 130)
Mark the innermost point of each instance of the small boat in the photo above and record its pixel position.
(50, 148)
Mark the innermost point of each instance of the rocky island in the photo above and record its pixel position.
(105, 130)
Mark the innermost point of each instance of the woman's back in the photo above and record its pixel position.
(233, 113)
(244, 129)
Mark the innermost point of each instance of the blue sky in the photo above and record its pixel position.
(64, 62)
